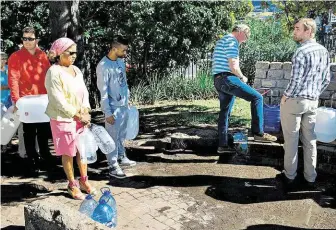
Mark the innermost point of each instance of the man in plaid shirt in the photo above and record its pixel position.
(310, 77)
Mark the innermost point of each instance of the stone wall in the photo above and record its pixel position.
(276, 75)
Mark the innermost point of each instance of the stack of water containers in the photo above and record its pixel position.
(104, 211)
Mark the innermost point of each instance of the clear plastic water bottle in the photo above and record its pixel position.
(87, 147)
(103, 214)
(88, 205)
(241, 142)
(132, 123)
(107, 196)
(103, 139)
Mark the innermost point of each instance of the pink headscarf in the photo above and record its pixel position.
(61, 45)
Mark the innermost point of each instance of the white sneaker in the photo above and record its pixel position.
(124, 161)
(117, 172)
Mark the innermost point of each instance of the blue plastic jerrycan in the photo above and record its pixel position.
(241, 142)
(108, 197)
(88, 205)
(103, 214)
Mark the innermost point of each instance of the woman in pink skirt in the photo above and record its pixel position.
(68, 109)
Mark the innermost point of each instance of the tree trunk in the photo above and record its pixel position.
(64, 19)
(64, 22)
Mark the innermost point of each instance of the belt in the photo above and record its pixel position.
(224, 74)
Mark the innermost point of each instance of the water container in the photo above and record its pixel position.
(272, 118)
(9, 124)
(103, 214)
(325, 127)
(241, 142)
(103, 139)
(107, 196)
(87, 147)
(88, 205)
(132, 123)
(31, 109)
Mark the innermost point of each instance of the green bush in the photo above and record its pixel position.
(269, 41)
(173, 88)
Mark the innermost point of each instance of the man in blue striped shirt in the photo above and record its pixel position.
(310, 77)
(230, 82)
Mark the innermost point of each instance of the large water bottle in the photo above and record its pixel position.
(87, 147)
(132, 129)
(9, 124)
(88, 205)
(272, 118)
(325, 127)
(241, 142)
(107, 196)
(103, 214)
(103, 139)
(31, 108)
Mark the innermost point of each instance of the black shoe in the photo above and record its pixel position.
(225, 149)
(307, 186)
(287, 183)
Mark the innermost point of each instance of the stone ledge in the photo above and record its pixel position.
(50, 214)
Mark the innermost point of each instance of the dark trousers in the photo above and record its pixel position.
(43, 132)
(229, 87)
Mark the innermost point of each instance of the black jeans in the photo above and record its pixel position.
(43, 133)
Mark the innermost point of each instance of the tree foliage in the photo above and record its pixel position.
(163, 35)
(291, 10)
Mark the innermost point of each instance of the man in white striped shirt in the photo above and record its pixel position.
(310, 77)
(230, 82)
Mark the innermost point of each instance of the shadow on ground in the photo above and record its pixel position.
(235, 190)
(276, 227)
(13, 227)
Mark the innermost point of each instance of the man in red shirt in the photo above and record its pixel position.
(26, 74)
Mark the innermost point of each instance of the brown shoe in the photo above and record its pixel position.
(74, 191)
(265, 138)
(86, 187)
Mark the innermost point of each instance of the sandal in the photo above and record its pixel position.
(74, 191)
(86, 187)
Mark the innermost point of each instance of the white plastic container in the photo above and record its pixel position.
(325, 127)
(132, 129)
(87, 147)
(9, 124)
(31, 109)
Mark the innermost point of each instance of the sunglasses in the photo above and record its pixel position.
(28, 39)
(71, 53)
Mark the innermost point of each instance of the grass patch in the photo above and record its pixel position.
(190, 113)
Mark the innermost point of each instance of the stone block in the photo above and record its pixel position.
(325, 95)
(287, 74)
(275, 74)
(332, 85)
(268, 83)
(287, 66)
(282, 83)
(276, 65)
(257, 83)
(273, 93)
(52, 215)
(261, 73)
(262, 65)
(333, 67)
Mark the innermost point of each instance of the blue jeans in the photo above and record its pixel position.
(228, 88)
(118, 133)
